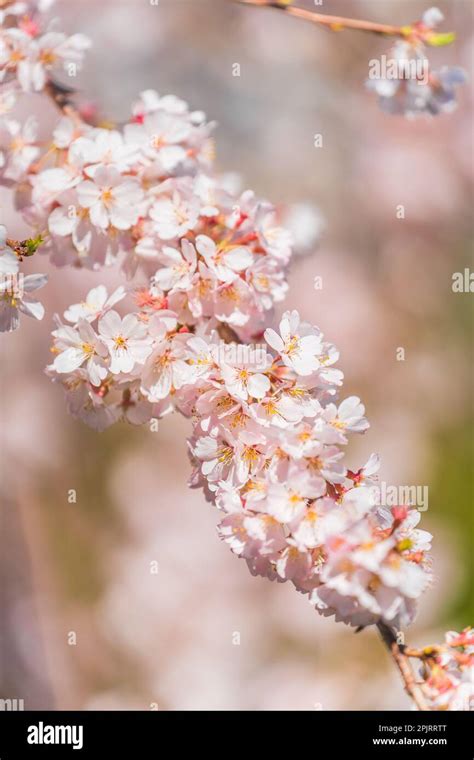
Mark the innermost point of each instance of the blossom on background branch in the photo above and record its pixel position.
(190, 330)
(407, 85)
(445, 672)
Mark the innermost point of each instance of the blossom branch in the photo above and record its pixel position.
(412, 87)
(268, 425)
(60, 94)
(402, 662)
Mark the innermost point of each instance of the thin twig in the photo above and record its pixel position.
(402, 662)
(333, 22)
(60, 94)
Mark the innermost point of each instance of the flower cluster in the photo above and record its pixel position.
(409, 86)
(447, 672)
(99, 358)
(145, 196)
(142, 197)
(266, 447)
(29, 54)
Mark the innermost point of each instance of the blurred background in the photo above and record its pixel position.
(86, 623)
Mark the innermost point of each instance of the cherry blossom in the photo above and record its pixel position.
(78, 346)
(445, 671)
(174, 217)
(111, 200)
(17, 147)
(8, 261)
(178, 275)
(31, 58)
(164, 371)
(411, 87)
(243, 382)
(96, 303)
(126, 340)
(298, 344)
(15, 298)
(224, 261)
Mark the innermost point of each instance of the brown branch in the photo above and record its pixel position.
(335, 23)
(402, 662)
(60, 94)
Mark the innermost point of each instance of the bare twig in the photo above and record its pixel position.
(402, 662)
(335, 23)
(60, 94)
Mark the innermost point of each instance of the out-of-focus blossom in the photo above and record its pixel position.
(8, 261)
(31, 58)
(306, 224)
(447, 672)
(18, 147)
(15, 298)
(406, 84)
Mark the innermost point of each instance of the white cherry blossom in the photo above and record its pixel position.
(126, 339)
(15, 299)
(97, 302)
(8, 261)
(79, 346)
(180, 269)
(18, 147)
(298, 344)
(111, 199)
(225, 261)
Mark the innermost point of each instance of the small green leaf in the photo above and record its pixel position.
(440, 40)
(32, 245)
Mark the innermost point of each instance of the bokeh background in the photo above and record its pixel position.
(167, 639)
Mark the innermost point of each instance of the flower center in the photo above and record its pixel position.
(107, 196)
(88, 349)
(120, 342)
(47, 57)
